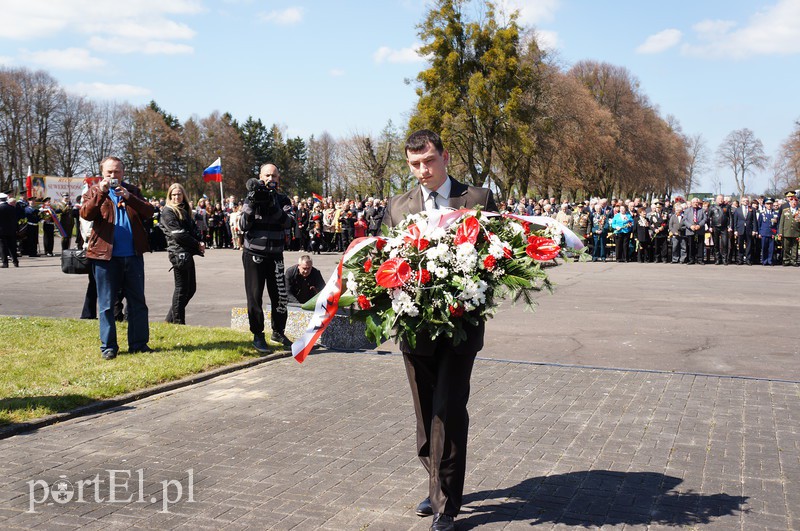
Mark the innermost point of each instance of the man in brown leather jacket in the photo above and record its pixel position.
(116, 245)
(439, 372)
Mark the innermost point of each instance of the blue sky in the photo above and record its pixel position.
(340, 66)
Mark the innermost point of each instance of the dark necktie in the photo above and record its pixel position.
(433, 197)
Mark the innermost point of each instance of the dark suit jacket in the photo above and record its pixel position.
(413, 202)
(738, 220)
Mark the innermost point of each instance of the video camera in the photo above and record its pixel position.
(260, 192)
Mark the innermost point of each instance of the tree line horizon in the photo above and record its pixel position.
(507, 111)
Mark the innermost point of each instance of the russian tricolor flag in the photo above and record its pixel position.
(317, 197)
(214, 172)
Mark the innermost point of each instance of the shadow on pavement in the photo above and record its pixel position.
(58, 403)
(598, 497)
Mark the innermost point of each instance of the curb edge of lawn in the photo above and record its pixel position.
(110, 403)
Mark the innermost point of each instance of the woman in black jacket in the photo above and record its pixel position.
(185, 241)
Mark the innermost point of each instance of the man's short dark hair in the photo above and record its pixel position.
(418, 141)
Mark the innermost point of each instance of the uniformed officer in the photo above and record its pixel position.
(767, 228)
(789, 230)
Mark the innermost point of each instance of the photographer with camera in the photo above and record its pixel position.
(117, 243)
(266, 214)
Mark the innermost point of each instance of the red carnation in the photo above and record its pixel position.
(468, 231)
(363, 302)
(393, 273)
(489, 263)
(380, 244)
(526, 226)
(456, 311)
(423, 276)
(367, 265)
(542, 249)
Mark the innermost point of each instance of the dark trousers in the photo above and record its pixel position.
(260, 270)
(767, 249)
(90, 299)
(790, 250)
(660, 249)
(48, 237)
(721, 244)
(185, 288)
(8, 247)
(621, 246)
(32, 241)
(440, 391)
(643, 253)
(695, 248)
(743, 248)
(65, 241)
(599, 247)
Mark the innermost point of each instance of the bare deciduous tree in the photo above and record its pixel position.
(742, 152)
(697, 152)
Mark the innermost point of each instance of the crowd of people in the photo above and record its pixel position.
(751, 231)
(713, 231)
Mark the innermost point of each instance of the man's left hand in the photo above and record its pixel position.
(122, 191)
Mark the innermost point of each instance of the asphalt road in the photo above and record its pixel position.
(734, 320)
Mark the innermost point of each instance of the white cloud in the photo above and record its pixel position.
(123, 45)
(68, 59)
(141, 22)
(284, 17)
(774, 30)
(384, 54)
(109, 92)
(6, 60)
(547, 39)
(661, 41)
(530, 11)
(336, 72)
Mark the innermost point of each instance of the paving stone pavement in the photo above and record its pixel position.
(329, 445)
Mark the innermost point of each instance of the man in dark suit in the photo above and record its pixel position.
(739, 217)
(438, 371)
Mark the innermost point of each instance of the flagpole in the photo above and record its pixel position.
(221, 196)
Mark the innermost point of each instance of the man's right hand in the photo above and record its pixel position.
(105, 184)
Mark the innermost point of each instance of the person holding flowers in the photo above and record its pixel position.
(438, 370)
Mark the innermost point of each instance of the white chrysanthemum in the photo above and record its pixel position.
(439, 252)
(466, 257)
(440, 272)
(402, 303)
(474, 292)
(352, 285)
(497, 247)
(437, 234)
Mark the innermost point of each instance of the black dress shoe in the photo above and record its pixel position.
(424, 508)
(443, 522)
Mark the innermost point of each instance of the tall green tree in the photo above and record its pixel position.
(472, 93)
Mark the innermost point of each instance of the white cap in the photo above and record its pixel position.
(3, 197)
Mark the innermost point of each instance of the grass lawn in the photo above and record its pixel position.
(54, 365)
